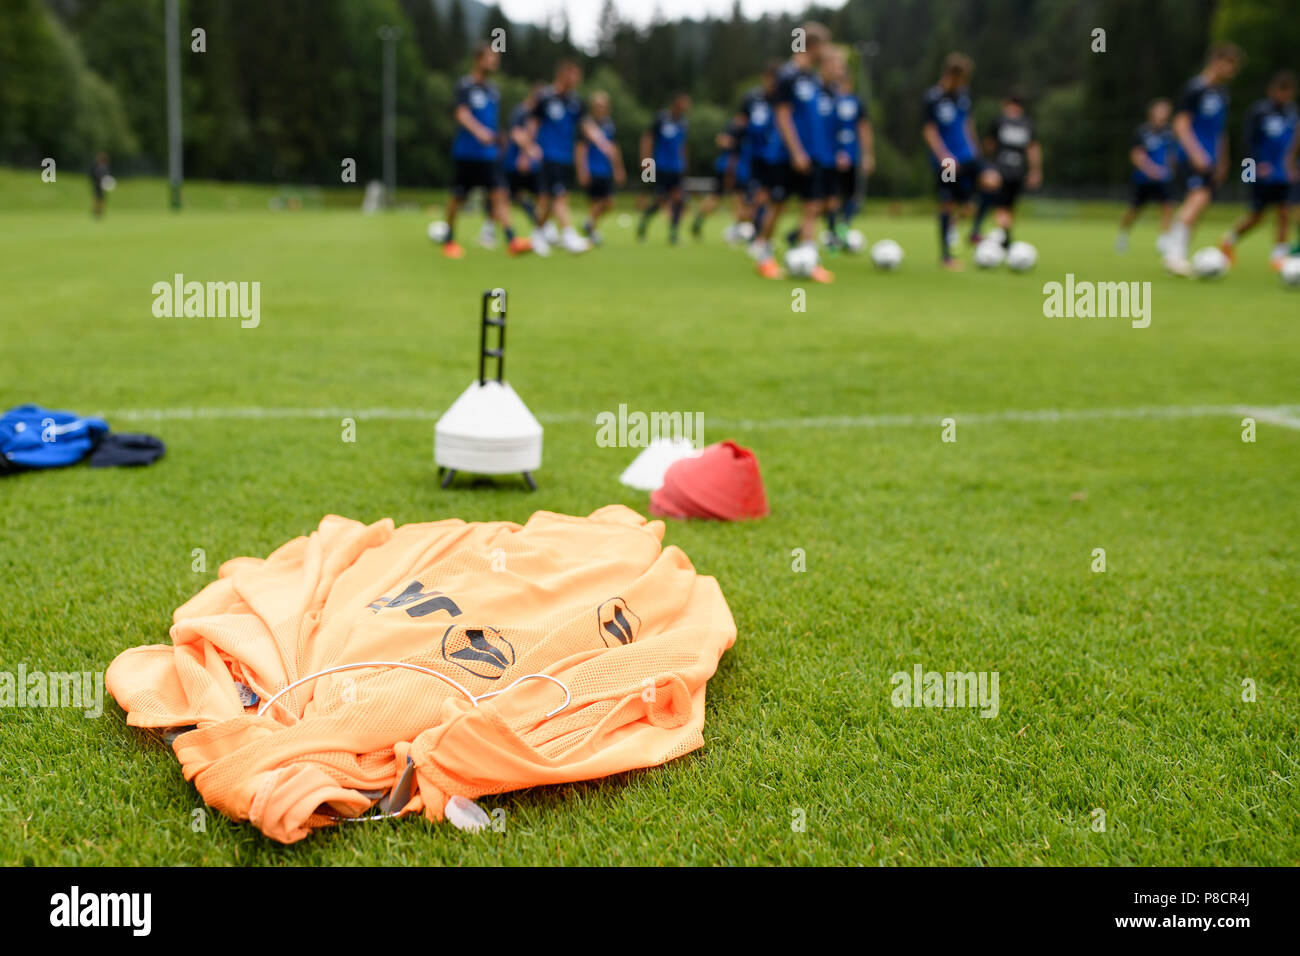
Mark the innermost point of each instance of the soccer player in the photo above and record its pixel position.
(523, 162)
(598, 172)
(804, 152)
(559, 116)
(98, 174)
(761, 145)
(476, 151)
(730, 175)
(1018, 158)
(1199, 129)
(854, 145)
(665, 142)
(950, 135)
(1152, 156)
(1270, 130)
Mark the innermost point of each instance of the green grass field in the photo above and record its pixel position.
(1120, 690)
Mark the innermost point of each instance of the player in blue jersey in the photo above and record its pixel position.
(1270, 132)
(758, 144)
(476, 150)
(1152, 156)
(949, 134)
(803, 152)
(523, 161)
(853, 143)
(598, 172)
(730, 177)
(559, 117)
(665, 144)
(1199, 121)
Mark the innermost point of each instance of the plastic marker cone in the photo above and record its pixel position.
(722, 483)
(646, 473)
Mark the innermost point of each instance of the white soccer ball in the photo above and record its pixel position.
(989, 254)
(854, 240)
(745, 231)
(439, 231)
(109, 184)
(1209, 263)
(801, 260)
(887, 254)
(1021, 257)
(1290, 270)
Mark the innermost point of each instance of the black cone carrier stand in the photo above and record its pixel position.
(489, 430)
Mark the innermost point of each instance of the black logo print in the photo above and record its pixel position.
(616, 622)
(480, 650)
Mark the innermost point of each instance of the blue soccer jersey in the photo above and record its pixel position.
(1270, 127)
(849, 112)
(760, 130)
(598, 164)
(1157, 143)
(822, 149)
(802, 90)
(481, 98)
(948, 111)
(558, 116)
(669, 142)
(1207, 105)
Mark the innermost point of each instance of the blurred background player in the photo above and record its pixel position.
(949, 134)
(665, 142)
(99, 177)
(599, 171)
(476, 151)
(558, 118)
(854, 145)
(1270, 130)
(523, 164)
(730, 177)
(1202, 140)
(1152, 156)
(1018, 158)
(760, 143)
(804, 152)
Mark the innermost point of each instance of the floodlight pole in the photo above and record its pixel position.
(174, 154)
(389, 35)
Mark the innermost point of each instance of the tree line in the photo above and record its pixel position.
(285, 90)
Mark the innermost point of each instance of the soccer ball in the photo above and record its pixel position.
(801, 260)
(745, 231)
(109, 184)
(439, 231)
(1021, 257)
(1290, 270)
(854, 240)
(887, 254)
(989, 254)
(1209, 263)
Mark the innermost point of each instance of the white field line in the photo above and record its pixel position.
(1286, 416)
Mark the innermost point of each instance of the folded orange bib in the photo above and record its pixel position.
(368, 669)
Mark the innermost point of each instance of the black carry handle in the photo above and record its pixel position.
(493, 316)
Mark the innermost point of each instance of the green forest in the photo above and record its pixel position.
(284, 90)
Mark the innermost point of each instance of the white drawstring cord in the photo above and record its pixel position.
(422, 670)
